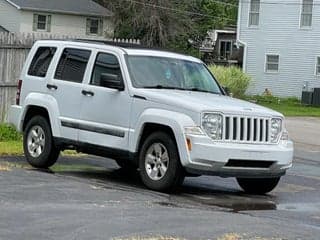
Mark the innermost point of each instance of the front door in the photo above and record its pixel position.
(105, 112)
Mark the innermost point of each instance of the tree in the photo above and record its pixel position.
(174, 24)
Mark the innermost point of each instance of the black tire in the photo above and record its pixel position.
(258, 185)
(50, 152)
(126, 164)
(174, 174)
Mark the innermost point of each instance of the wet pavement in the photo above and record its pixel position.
(91, 198)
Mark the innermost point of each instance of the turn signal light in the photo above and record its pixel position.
(189, 145)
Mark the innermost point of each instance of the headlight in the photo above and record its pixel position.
(276, 128)
(212, 125)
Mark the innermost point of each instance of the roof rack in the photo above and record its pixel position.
(126, 45)
(113, 43)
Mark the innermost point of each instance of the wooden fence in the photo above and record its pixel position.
(14, 49)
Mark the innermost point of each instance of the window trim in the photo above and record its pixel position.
(100, 26)
(251, 12)
(317, 65)
(266, 63)
(36, 22)
(301, 14)
(231, 47)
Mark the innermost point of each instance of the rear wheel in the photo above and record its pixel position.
(38, 145)
(258, 185)
(159, 163)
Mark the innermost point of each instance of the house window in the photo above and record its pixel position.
(318, 66)
(254, 13)
(41, 23)
(272, 63)
(306, 13)
(225, 49)
(94, 26)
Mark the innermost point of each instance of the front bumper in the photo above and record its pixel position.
(213, 158)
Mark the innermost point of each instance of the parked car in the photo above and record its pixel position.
(160, 112)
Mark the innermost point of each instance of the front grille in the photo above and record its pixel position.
(243, 129)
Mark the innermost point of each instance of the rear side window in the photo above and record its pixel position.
(72, 65)
(41, 61)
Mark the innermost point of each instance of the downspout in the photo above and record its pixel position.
(239, 42)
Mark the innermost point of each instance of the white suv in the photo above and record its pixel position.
(159, 112)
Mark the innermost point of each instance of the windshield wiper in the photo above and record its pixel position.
(164, 87)
(179, 88)
(202, 90)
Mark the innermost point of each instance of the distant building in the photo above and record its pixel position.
(63, 17)
(220, 47)
(281, 45)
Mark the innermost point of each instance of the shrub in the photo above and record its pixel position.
(233, 78)
(8, 133)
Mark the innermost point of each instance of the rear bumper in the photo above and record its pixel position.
(211, 158)
(15, 116)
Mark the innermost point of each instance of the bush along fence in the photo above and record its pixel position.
(14, 48)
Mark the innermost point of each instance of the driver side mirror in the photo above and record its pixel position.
(112, 81)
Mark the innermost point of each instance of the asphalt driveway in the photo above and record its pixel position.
(90, 198)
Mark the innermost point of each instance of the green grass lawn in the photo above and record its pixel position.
(286, 106)
(14, 148)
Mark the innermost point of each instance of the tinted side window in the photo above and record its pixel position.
(105, 63)
(41, 61)
(72, 65)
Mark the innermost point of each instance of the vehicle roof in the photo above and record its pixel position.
(125, 48)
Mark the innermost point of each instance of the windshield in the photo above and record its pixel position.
(169, 73)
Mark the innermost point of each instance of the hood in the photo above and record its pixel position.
(202, 102)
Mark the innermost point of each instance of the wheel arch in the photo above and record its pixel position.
(43, 105)
(153, 120)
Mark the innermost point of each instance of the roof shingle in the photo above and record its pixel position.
(77, 7)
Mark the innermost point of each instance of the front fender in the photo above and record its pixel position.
(176, 121)
(47, 102)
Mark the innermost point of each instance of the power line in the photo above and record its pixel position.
(179, 11)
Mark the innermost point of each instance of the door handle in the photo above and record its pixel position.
(52, 87)
(87, 93)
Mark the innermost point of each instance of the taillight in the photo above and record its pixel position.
(18, 92)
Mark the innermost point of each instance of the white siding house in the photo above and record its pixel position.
(62, 17)
(281, 45)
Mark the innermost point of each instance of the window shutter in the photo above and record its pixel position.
(49, 23)
(88, 26)
(100, 26)
(35, 22)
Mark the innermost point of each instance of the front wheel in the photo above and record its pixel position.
(258, 185)
(38, 145)
(159, 163)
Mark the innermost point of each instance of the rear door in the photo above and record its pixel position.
(66, 86)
